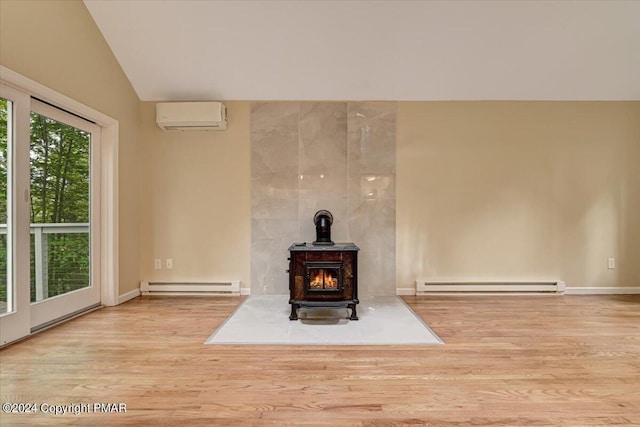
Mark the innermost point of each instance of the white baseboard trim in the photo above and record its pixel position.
(245, 291)
(602, 290)
(128, 296)
(405, 291)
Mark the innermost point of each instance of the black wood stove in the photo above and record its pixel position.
(323, 274)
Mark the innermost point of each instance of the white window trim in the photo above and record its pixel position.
(109, 175)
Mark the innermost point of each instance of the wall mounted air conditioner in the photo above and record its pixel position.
(191, 115)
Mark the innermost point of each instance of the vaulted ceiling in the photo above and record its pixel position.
(375, 50)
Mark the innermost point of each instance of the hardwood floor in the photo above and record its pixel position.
(509, 361)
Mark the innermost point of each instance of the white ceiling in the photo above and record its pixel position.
(375, 50)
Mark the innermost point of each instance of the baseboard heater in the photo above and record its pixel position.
(231, 288)
(424, 287)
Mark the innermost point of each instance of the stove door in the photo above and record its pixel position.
(324, 276)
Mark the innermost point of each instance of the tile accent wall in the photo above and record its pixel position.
(307, 156)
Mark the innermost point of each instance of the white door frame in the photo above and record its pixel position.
(16, 324)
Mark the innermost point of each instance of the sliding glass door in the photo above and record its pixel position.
(49, 214)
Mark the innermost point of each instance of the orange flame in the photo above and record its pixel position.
(323, 280)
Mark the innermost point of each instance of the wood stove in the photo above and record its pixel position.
(323, 274)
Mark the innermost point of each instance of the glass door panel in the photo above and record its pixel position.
(64, 217)
(60, 247)
(6, 300)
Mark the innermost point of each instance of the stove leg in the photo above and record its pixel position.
(294, 312)
(354, 315)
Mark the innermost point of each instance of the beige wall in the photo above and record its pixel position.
(57, 44)
(518, 190)
(195, 200)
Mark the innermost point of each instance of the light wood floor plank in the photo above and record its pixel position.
(507, 361)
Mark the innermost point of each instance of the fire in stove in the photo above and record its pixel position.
(323, 279)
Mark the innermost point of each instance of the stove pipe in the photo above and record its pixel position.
(323, 220)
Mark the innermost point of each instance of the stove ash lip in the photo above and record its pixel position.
(323, 219)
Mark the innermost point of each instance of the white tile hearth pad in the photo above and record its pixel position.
(264, 319)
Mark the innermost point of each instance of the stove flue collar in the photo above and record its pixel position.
(323, 219)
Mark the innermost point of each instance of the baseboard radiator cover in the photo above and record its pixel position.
(230, 288)
(439, 287)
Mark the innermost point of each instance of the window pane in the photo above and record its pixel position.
(4, 248)
(60, 253)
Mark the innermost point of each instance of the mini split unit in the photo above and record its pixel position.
(191, 115)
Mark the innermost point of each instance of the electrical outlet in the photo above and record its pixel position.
(157, 263)
(169, 263)
(611, 263)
